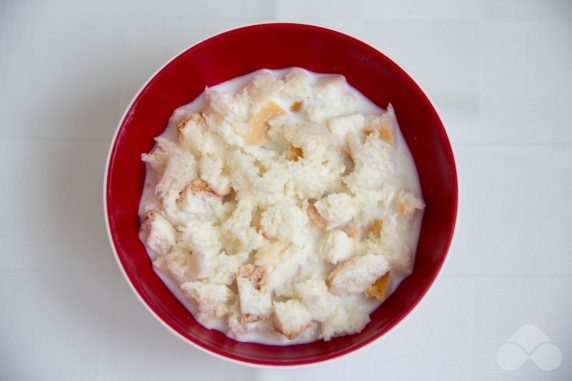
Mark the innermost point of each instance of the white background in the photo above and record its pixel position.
(500, 73)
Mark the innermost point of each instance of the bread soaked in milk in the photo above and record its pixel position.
(282, 207)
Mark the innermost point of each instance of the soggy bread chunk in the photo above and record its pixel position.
(186, 126)
(341, 126)
(351, 230)
(282, 262)
(285, 221)
(262, 86)
(211, 171)
(158, 158)
(314, 294)
(315, 217)
(337, 209)
(201, 237)
(158, 232)
(332, 98)
(212, 299)
(382, 127)
(343, 322)
(177, 265)
(240, 235)
(259, 123)
(297, 84)
(357, 274)
(376, 228)
(290, 318)
(336, 246)
(180, 170)
(235, 325)
(255, 300)
(407, 203)
(378, 290)
(197, 137)
(201, 205)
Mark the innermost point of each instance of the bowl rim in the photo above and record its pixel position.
(264, 364)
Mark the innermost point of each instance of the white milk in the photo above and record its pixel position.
(262, 332)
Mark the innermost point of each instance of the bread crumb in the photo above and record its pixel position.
(378, 290)
(294, 153)
(296, 106)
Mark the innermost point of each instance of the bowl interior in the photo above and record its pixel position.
(274, 46)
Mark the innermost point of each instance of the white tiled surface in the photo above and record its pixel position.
(498, 70)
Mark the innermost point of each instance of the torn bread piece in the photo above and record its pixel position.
(351, 230)
(356, 274)
(186, 125)
(343, 322)
(376, 228)
(381, 126)
(177, 264)
(212, 171)
(297, 84)
(379, 289)
(159, 156)
(158, 232)
(285, 221)
(236, 327)
(202, 205)
(259, 123)
(337, 209)
(255, 300)
(341, 126)
(314, 294)
(407, 203)
(180, 170)
(336, 246)
(316, 218)
(282, 261)
(213, 300)
(290, 318)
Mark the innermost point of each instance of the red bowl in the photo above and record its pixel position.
(275, 46)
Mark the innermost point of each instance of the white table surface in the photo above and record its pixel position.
(499, 71)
